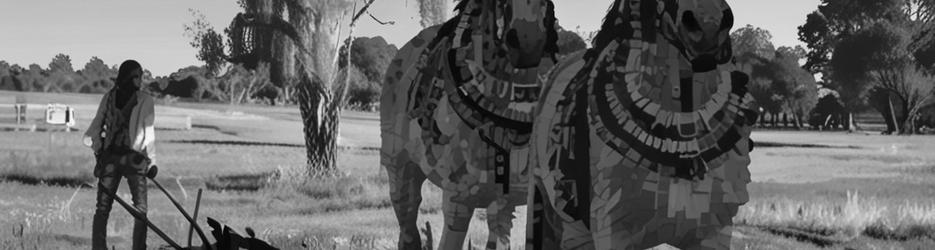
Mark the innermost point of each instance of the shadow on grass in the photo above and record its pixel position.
(818, 239)
(266, 144)
(796, 145)
(71, 181)
(216, 128)
(235, 143)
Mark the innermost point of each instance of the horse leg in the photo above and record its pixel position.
(499, 221)
(457, 219)
(405, 179)
(546, 230)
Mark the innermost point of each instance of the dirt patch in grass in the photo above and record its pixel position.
(245, 182)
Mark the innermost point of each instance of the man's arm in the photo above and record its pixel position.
(96, 127)
(149, 139)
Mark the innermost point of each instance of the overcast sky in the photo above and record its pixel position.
(151, 31)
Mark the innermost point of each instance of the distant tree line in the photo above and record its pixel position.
(878, 54)
(60, 76)
(871, 55)
(783, 90)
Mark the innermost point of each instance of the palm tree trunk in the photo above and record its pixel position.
(320, 113)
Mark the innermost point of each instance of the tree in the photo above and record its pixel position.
(310, 29)
(753, 51)
(752, 41)
(797, 85)
(838, 19)
(835, 23)
(370, 58)
(362, 91)
(240, 84)
(34, 78)
(5, 68)
(369, 55)
(62, 77)
(208, 42)
(189, 82)
(299, 40)
(569, 42)
(61, 63)
(879, 57)
(779, 84)
(97, 76)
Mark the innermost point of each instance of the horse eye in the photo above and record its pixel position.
(727, 20)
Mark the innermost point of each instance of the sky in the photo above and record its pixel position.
(152, 32)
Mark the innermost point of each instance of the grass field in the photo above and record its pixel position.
(810, 190)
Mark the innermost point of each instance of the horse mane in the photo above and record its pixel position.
(608, 31)
(611, 30)
(448, 28)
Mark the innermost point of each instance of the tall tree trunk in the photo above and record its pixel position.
(851, 124)
(797, 121)
(893, 122)
(774, 119)
(320, 117)
(762, 119)
(906, 125)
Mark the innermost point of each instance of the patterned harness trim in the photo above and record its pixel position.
(480, 96)
(628, 117)
(499, 110)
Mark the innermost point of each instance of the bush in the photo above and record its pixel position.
(190, 86)
(96, 87)
(927, 116)
(363, 96)
(361, 92)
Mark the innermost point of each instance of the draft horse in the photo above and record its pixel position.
(644, 139)
(456, 109)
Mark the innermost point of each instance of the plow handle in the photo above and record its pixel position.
(152, 176)
(195, 217)
(139, 216)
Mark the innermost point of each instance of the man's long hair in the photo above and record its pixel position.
(123, 74)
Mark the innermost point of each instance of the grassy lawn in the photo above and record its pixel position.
(810, 190)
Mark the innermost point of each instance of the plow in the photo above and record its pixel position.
(225, 237)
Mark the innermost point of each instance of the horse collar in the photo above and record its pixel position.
(627, 115)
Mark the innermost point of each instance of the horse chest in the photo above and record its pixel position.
(476, 163)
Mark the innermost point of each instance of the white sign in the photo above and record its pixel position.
(59, 114)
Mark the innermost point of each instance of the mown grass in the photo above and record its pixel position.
(827, 222)
(53, 157)
(264, 186)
